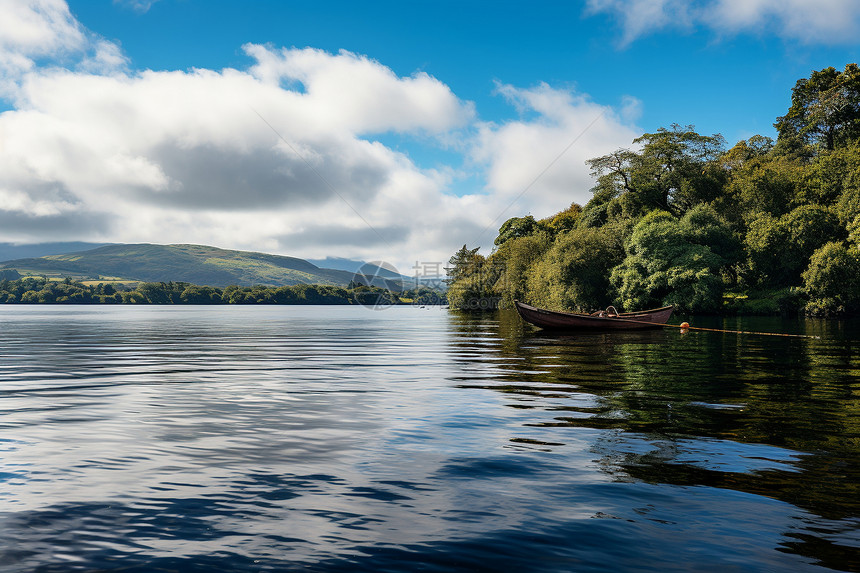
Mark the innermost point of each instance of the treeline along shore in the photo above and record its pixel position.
(763, 227)
(42, 290)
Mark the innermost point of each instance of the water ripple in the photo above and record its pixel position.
(342, 439)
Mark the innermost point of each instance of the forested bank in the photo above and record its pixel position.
(42, 290)
(762, 227)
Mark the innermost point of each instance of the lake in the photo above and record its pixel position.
(344, 439)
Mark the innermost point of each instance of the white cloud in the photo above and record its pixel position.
(37, 27)
(40, 33)
(820, 21)
(104, 58)
(141, 6)
(824, 21)
(355, 93)
(93, 151)
(539, 163)
(640, 17)
(31, 29)
(175, 155)
(279, 157)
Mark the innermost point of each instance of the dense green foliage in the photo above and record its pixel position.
(41, 290)
(679, 219)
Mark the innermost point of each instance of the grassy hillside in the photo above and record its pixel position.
(195, 264)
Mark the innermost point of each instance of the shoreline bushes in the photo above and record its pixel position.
(43, 291)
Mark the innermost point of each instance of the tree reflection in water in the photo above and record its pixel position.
(768, 416)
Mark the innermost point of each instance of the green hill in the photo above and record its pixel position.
(195, 264)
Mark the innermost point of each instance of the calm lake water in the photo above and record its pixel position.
(341, 439)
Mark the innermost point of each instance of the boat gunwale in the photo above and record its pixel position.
(621, 315)
(553, 319)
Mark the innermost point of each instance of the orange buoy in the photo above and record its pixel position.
(685, 325)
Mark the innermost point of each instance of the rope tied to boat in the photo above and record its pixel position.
(685, 326)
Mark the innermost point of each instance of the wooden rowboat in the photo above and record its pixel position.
(554, 320)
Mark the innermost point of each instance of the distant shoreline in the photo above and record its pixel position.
(44, 291)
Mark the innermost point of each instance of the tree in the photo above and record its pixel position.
(471, 280)
(154, 293)
(30, 297)
(825, 109)
(779, 247)
(667, 262)
(746, 150)
(512, 263)
(516, 227)
(463, 263)
(563, 221)
(837, 174)
(854, 232)
(133, 297)
(596, 211)
(239, 295)
(676, 169)
(194, 294)
(768, 183)
(285, 295)
(474, 292)
(574, 274)
(832, 280)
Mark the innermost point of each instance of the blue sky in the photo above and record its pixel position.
(379, 130)
(735, 84)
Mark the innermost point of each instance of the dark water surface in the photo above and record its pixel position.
(345, 439)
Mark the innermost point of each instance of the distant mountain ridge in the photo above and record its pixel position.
(10, 251)
(197, 264)
(377, 268)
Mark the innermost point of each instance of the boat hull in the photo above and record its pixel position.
(553, 320)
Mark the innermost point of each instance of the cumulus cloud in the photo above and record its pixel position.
(34, 29)
(278, 157)
(353, 92)
(823, 21)
(38, 27)
(538, 163)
